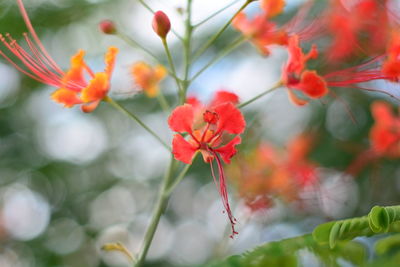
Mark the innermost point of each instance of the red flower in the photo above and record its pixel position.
(207, 135)
(264, 33)
(73, 88)
(348, 20)
(296, 76)
(268, 172)
(384, 138)
(385, 134)
(260, 31)
(391, 66)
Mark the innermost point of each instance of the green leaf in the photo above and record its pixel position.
(384, 245)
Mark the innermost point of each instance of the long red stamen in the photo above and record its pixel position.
(304, 29)
(35, 71)
(35, 37)
(368, 71)
(221, 185)
(36, 67)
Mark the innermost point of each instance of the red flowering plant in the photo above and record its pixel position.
(366, 29)
(207, 135)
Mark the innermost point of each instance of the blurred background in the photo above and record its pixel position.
(71, 182)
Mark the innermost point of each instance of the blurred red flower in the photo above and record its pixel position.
(269, 172)
(385, 133)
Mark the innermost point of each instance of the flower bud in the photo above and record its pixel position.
(161, 24)
(107, 27)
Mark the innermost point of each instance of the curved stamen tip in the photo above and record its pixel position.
(233, 234)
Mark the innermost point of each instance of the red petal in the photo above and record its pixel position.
(223, 97)
(295, 63)
(67, 97)
(382, 113)
(181, 119)
(231, 119)
(228, 151)
(182, 149)
(382, 139)
(192, 100)
(312, 84)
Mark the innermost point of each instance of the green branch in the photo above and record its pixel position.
(159, 209)
(221, 55)
(172, 65)
(203, 48)
(215, 14)
(135, 118)
(269, 90)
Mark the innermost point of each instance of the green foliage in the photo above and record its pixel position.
(387, 244)
(285, 253)
(379, 220)
(330, 242)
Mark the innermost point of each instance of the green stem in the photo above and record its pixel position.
(221, 55)
(163, 102)
(172, 65)
(159, 209)
(135, 118)
(202, 49)
(180, 177)
(135, 44)
(187, 45)
(215, 14)
(275, 86)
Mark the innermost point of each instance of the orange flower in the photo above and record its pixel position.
(272, 7)
(148, 78)
(75, 89)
